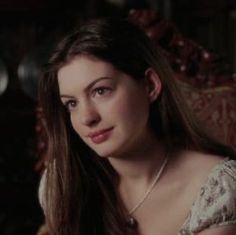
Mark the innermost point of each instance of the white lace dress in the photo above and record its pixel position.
(215, 204)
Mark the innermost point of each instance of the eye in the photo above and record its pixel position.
(70, 104)
(100, 91)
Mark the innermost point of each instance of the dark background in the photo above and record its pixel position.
(27, 31)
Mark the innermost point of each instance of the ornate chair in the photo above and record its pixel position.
(208, 87)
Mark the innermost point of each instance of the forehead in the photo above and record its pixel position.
(79, 73)
(85, 69)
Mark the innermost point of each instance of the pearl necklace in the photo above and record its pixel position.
(131, 221)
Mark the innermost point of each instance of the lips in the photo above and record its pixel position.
(100, 136)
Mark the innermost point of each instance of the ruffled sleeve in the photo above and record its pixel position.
(216, 202)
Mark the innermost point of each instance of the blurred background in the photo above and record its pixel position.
(28, 30)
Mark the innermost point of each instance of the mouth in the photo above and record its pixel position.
(100, 136)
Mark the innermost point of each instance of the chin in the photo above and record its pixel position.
(111, 153)
(110, 148)
(105, 153)
(106, 150)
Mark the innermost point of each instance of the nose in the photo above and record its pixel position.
(89, 115)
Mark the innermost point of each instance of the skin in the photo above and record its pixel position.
(115, 100)
(98, 96)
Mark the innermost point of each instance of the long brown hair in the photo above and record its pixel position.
(80, 194)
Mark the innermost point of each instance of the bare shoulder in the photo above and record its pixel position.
(199, 162)
(194, 167)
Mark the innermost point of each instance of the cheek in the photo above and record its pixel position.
(137, 114)
(129, 109)
(75, 124)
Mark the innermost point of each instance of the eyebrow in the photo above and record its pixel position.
(88, 87)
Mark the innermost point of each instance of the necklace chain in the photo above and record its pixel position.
(157, 177)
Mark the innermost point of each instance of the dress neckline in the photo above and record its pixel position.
(212, 171)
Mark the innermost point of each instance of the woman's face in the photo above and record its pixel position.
(108, 109)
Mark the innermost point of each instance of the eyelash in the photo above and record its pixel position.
(68, 103)
(96, 90)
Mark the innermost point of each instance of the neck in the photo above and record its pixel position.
(137, 171)
(140, 165)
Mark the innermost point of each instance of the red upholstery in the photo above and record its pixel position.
(208, 87)
(216, 108)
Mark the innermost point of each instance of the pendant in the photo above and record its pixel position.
(132, 223)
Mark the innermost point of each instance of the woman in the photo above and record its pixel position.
(125, 154)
